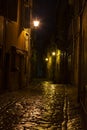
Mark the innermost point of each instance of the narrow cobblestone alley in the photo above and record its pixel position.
(42, 106)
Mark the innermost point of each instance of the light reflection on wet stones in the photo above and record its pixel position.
(40, 112)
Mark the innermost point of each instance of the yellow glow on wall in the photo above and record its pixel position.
(21, 40)
(26, 38)
(58, 56)
(49, 62)
(58, 52)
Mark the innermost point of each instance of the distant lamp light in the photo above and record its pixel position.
(53, 53)
(36, 23)
(46, 59)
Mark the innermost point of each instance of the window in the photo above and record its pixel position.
(8, 8)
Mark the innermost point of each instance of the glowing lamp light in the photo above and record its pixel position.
(46, 59)
(36, 23)
(53, 53)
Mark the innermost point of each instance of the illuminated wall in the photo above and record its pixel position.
(56, 66)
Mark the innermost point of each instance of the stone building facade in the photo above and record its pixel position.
(15, 33)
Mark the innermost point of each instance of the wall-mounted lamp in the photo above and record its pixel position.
(36, 23)
(46, 59)
(53, 53)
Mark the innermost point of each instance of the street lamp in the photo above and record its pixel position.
(46, 59)
(53, 53)
(36, 23)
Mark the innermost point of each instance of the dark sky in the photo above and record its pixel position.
(55, 16)
(45, 10)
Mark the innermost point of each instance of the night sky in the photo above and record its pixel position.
(55, 17)
(45, 10)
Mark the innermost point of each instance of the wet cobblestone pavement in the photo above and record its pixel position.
(43, 106)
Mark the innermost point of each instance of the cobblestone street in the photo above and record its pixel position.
(42, 106)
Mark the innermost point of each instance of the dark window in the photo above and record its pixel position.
(12, 9)
(3, 9)
(8, 8)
